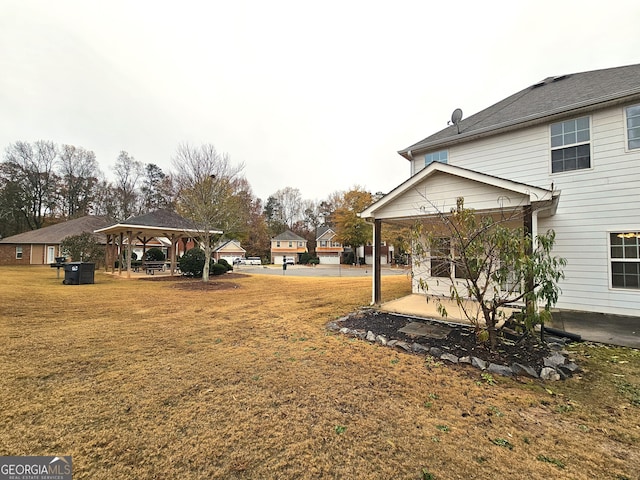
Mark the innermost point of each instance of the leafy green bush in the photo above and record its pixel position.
(154, 255)
(83, 248)
(222, 261)
(217, 269)
(192, 262)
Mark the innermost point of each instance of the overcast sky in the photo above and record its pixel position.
(317, 96)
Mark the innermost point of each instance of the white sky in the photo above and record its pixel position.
(317, 96)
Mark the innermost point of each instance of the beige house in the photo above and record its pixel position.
(229, 251)
(328, 249)
(287, 247)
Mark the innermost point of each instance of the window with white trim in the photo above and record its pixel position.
(441, 156)
(625, 259)
(633, 126)
(18, 252)
(570, 145)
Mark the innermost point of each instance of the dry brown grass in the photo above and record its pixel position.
(139, 379)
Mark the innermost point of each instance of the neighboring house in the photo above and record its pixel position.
(41, 246)
(385, 251)
(229, 251)
(566, 151)
(328, 249)
(287, 246)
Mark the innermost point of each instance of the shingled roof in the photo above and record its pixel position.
(55, 234)
(162, 219)
(289, 235)
(552, 97)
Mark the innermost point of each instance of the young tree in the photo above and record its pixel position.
(206, 182)
(490, 261)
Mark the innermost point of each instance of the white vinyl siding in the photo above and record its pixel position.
(593, 202)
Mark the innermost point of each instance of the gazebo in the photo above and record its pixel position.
(143, 228)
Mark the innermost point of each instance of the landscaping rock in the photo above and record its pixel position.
(523, 370)
(435, 351)
(548, 373)
(500, 370)
(371, 337)
(403, 345)
(554, 360)
(464, 360)
(418, 348)
(479, 363)
(392, 343)
(568, 368)
(381, 339)
(345, 330)
(449, 357)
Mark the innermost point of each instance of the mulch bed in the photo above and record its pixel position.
(461, 340)
(183, 282)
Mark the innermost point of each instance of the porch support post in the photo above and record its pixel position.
(377, 240)
(530, 229)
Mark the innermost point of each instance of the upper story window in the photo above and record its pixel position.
(570, 145)
(290, 244)
(633, 126)
(278, 243)
(441, 156)
(18, 252)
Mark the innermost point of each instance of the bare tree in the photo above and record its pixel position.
(79, 171)
(206, 182)
(290, 209)
(31, 168)
(128, 172)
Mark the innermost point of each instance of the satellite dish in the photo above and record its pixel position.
(456, 116)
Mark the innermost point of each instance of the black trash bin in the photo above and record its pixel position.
(79, 273)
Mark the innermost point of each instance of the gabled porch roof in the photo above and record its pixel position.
(436, 188)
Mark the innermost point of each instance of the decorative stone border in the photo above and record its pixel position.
(556, 366)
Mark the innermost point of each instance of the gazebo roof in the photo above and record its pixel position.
(157, 223)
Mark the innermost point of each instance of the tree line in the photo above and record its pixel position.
(43, 183)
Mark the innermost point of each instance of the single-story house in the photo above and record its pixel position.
(41, 246)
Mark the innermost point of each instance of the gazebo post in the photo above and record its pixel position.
(129, 250)
(120, 253)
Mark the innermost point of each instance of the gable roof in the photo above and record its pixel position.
(289, 235)
(535, 194)
(320, 231)
(550, 98)
(55, 234)
(229, 245)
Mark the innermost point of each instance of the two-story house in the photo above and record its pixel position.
(328, 249)
(287, 247)
(565, 150)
